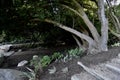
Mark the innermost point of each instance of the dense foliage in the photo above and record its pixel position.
(23, 20)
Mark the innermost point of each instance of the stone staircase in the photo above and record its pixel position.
(109, 70)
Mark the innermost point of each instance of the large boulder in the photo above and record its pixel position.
(6, 47)
(4, 50)
(10, 74)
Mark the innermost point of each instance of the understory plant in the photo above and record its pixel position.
(116, 44)
(75, 52)
(2, 36)
(40, 62)
(30, 75)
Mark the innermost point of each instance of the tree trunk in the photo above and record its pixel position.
(96, 43)
(104, 26)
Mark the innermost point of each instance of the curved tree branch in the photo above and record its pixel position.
(73, 31)
(114, 33)
(80, 12)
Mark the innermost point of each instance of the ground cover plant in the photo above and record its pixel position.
(41, 62)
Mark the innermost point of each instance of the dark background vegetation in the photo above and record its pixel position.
(22, 21)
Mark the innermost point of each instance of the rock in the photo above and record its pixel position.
(22, 63)
(2, 54)
(1, 51)
(75, 77)
(9, 74)
(109, 70)
(116, 69)
(52, 71)
(35, 57)
(5, 48)
(8, 53)
(65, 70)
(20, 50)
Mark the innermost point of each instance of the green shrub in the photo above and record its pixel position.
(116, 44)
(75, 52)
(57, 55)
(38, 62)
(45, 61)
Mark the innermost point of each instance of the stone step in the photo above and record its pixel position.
(104, 71)
(83, 76)
(92, 72)
(114, 66)
(101, 72)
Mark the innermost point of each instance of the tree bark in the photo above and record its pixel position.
(104, 26)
